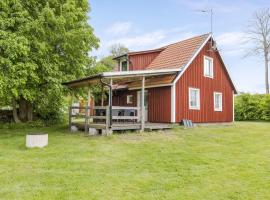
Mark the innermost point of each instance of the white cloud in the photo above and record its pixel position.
(119, 28)
(140, 41)
(233, 43)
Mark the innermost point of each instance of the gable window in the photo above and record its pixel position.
(208, 67)
(129, 99)
(217, 101)
(123, 65)
(194, 99)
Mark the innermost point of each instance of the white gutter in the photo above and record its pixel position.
(140, 73)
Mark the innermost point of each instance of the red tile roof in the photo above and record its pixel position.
(177, 54)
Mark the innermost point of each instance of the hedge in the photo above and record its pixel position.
(253, 107)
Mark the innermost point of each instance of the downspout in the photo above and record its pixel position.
(110, 100)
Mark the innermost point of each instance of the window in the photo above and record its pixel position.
(194, 99)
(124, 65)
(208, 67)
(129, 99)
(217, 101)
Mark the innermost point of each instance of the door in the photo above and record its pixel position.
(145, 104)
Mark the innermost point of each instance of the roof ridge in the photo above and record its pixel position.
(179, 53)
(190, 38)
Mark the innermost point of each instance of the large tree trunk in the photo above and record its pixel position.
(15, 114)
(25, 110)
(29, 112)
(266, 73)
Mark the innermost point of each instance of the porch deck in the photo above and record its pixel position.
(126, 126)
(122, 118)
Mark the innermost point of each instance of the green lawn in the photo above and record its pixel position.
(229, 162)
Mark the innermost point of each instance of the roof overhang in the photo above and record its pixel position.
(120, 77)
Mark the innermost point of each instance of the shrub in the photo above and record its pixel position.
(252, 107)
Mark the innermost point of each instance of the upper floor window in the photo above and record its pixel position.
(123, 65)
(208, 67)
(194, 98)
(217, 101)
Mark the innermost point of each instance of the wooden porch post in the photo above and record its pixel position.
(70, 109)
(87, 111)
(142, 104)
(102, 95)
(110, 103)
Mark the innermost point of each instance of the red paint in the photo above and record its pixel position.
(193, 77)
(159, 104)
(141, 61)
(120, 98)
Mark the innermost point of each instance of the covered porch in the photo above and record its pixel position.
(109, 115)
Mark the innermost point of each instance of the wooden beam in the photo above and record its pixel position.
(87, 111)
(102, 95)
(70, 110)
(142, 104)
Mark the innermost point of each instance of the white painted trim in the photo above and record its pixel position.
(233, 96)
(220, 103)
(151, 86)
(199, 99)
(142, 105)
(173, 92)
(212, 60)
(193, 57)
(140, 72)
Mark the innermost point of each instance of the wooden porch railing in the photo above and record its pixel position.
(101, 115)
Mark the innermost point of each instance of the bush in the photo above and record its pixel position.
(252, 107)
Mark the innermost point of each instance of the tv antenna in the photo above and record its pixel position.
(210, 11)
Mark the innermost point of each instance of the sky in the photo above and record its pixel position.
(148, 24)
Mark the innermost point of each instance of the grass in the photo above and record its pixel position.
(231, 162)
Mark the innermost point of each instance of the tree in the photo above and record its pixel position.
(259, 35)
(118, 50)
(42, 44)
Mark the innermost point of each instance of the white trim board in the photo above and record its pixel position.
(173, 97)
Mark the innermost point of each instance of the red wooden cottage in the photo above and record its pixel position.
(184, 80)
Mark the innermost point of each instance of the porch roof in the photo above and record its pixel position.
(129, 78)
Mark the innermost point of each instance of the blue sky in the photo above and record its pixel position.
(147, 24)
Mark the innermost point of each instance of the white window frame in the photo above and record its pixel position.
(129, 97)
(211, 75)
(197, 107)
(220, 102)
(123, 60)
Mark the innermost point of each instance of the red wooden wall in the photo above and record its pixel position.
(141, 61)
(193, 77)
(120, 98)
(159, 104)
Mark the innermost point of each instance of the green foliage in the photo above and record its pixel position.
(252, 107)
(42, 44)
(118, 50)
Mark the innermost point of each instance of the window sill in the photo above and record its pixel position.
(212, 77)
(194, 108)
